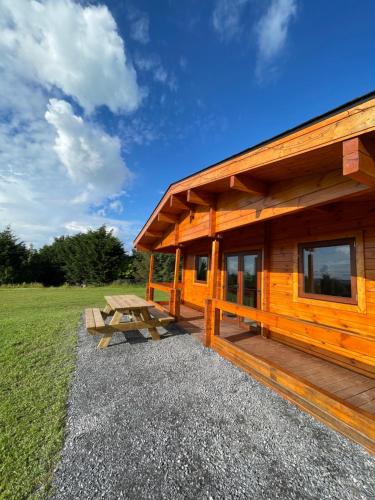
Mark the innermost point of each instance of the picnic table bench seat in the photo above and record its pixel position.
(94, 321)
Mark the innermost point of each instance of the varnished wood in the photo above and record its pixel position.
(284, 369)
(359, 160)
(179, 203)
(169, 218)
(149, 290)
(176, 267)
(198, 197)
(247, 184)
(153, 234)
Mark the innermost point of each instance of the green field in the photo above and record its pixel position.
(38, 332)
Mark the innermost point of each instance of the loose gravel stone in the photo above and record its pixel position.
(173, 420)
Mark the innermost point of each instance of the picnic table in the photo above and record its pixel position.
(126, 312)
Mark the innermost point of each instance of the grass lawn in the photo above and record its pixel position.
(38, 331)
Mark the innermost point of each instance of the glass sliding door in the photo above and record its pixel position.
(232, 275)
(250, 280)
(243, 282)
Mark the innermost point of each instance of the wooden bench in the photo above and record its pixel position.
(96, 326)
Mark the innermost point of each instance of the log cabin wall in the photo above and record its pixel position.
(348, 219)
(350, 336)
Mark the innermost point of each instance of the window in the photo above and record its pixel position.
(327, 271)
(201, 267)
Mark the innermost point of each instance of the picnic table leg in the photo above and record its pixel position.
(107, 311)
(145, 316)
(104, 341)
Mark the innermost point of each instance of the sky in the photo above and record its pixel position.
(104, 104)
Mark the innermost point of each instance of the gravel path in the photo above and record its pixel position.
(173, 420)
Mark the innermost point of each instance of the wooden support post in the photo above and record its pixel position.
(149, 290)
(175, 293)
(265, 330)
(174, 302)
(211, 322)
(176, 267)
(211, 314)
(214, 268)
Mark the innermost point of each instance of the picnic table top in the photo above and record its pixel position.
(126, 302)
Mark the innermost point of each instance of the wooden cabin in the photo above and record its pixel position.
(277, 246)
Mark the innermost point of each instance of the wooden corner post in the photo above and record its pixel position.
(177, 267)
(211, 314)
(149, 290)
(175, 293)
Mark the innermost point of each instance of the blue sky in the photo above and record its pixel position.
(104, 104)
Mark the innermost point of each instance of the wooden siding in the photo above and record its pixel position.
(236, 209)
(349, 338)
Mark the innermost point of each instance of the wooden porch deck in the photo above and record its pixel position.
(334, 394)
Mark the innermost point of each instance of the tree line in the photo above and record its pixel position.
(93, 258)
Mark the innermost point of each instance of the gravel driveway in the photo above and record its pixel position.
(173, 420)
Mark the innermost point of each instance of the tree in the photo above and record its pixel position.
(13, 258)
(163, 267)
(94, 257)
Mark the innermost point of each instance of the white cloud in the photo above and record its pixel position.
(38, 196)
(272, 31)
(75, 48)
(91, 157)
(226, 18)
(139, 29)
(56, 167)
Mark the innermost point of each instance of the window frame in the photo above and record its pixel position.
(353, 300)
(196, 257)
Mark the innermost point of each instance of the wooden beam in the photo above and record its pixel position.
(176, 233)
(359, 160)
(153, 234)
(169, 218)
(212, 222)
(198, 197)
(247, 184)
(142, 248)
(177, 202)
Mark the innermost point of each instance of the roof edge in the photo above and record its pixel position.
(301, 126)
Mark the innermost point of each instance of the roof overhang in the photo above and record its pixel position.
(335, 139)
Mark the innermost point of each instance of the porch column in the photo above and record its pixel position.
(265, 330)
(149, 290)
(177, 267)
(175, 293)
(211, 314)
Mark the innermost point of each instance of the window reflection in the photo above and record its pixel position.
(327, 269)
(201, 264)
